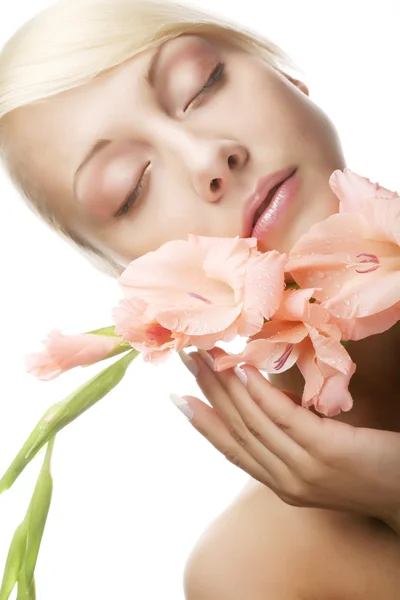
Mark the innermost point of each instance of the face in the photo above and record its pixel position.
(181, 152)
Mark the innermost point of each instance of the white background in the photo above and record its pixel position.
(134, 484)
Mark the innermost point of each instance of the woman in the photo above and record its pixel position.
(141, 122)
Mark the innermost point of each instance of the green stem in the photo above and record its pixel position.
(37, 515)
(14, 561)
(62, 413)
(24, 548)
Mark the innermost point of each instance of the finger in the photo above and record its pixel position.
(208, 422)
(303, 426)
(246, 422)
(294, 397)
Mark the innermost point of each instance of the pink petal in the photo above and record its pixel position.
(262, 354)
(225, 259)
(327, 369)
(379, 293)
(313, 378)
(264, 285)
(143, 332)
(291, 332)
(222, 246)
(134, 322)
(64, 352)
(205, 342)
(294, 305)
(320, 258)
(200, 321)
(194, 288)
(167, 275)
(330, 255)
(384, 221)
(357, 329)
(334, 396)
(379, 289)
(330, 353)
(353, 190)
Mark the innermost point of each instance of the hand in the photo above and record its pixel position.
(305, 459)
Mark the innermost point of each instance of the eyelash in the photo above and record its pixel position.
(214, 77)
(133, 197)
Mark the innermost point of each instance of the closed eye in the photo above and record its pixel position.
(133, 196)
(215, 76)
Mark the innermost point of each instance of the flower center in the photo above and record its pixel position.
(280, 362)
(365, 258)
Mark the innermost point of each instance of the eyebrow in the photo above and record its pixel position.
(102, 143)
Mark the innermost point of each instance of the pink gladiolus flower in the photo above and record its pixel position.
(134, 322)
(304, 333)
(353, 257)
(64, 352)
(198, 292)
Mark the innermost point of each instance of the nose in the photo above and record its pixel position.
(213, 165)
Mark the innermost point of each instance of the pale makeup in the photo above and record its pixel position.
(212, 121)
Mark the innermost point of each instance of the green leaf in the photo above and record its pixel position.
(62, 413)
(14, 561)
(105, 331)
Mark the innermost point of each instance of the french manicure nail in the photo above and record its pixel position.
(183, 405)
(189, 363)
(241, 374)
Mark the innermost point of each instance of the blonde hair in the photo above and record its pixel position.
(72, 41)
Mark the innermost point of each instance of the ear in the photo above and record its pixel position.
(302, 86)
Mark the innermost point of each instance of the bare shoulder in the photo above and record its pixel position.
(234, 559)
(260, 548)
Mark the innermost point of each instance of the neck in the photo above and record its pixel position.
(375, 386)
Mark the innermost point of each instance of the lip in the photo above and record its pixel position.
(263, 187)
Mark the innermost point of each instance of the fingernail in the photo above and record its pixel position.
(183, 405)
(189, 363)
(241, 374)
(207, 358)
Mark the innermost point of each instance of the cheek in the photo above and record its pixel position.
(265, 109)
(170, 211)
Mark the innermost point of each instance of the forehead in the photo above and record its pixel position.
(36, 122)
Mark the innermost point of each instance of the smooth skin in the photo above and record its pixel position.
(306, 459)
(212, 122)
(283, 550)
(198, 140)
